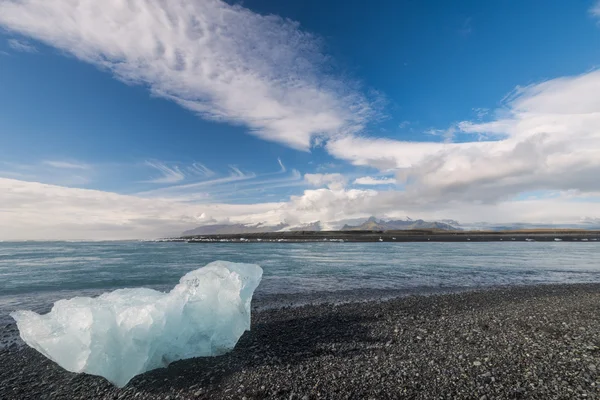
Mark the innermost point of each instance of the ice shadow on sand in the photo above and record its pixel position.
(275, 341)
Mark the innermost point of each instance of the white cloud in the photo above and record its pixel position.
(330, 205)
(22, 46)
(369, 180)
(332, 181)
(66, 165)
(547, 138)
(381, 153)
(222, 61)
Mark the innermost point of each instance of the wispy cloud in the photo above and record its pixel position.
(481, 112)
(327, 166)
(66, 164)
(201, 170)
(256, 190)
(15, 175)
(22, 46)
(369, 180)
(191, 188)
(294, 178)
(169, 174)
(283, 169)
(51, 172)
(467, 27)
(222, 61)
(595, 9)
(236, 171)
(446, 134)
(236, 183)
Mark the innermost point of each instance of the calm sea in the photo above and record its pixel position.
(35, 274)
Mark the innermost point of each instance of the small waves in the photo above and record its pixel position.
(34, 274)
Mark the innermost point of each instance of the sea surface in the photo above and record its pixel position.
(35, 274)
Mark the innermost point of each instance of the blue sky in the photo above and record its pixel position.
(267, 111)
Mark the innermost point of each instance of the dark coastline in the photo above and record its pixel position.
(539, 342)
(398, 236)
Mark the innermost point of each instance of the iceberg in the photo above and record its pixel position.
(121, 334)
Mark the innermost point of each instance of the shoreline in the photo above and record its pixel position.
(395, 236)
(263, 302)
(510, 342)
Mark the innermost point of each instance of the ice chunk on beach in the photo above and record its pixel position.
(121, 334)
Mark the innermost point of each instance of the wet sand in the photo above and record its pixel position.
(540, 342)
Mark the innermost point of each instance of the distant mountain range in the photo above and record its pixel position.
(588, 224)
(374, 224)
(371, 224)
(312, 226)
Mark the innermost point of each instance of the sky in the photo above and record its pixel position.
(127, 119)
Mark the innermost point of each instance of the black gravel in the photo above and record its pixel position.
(538, 342)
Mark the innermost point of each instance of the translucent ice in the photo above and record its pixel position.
(121, 334)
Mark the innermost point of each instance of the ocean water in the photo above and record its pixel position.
(35, 274)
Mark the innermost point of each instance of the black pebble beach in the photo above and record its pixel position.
(540, 342)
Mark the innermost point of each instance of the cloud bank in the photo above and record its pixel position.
(35, 211)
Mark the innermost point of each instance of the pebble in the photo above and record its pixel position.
(516, 337)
